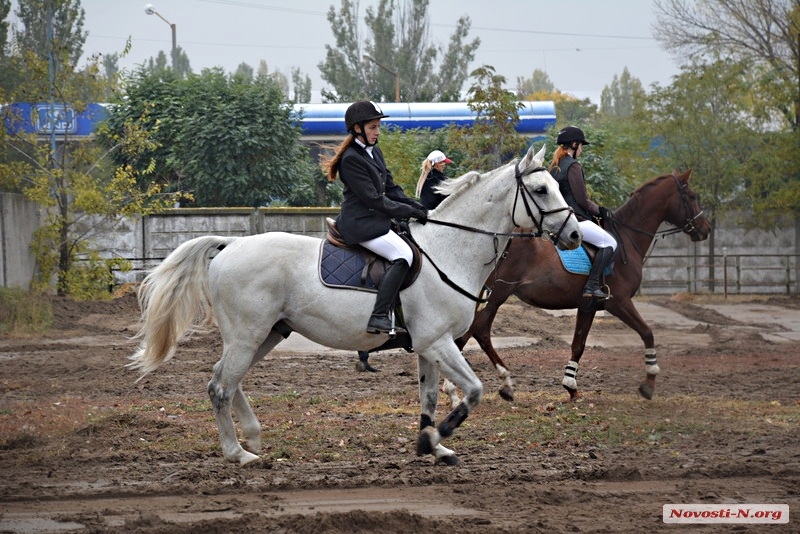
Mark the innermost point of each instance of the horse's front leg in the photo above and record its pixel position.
(583, 323)
(429, 400)
(456, 368)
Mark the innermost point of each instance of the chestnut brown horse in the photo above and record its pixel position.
(533, 272)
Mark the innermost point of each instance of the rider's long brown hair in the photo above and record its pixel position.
(330, 164)
(557, 157)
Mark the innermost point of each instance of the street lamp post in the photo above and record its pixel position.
(150, 10)
(368, 57)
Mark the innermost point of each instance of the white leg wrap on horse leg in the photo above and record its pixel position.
(440, 451)
(570, 375)
(650, 362)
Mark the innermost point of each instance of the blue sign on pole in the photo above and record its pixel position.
(56, 119)
(46, 119)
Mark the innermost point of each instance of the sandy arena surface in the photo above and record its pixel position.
(85, 448)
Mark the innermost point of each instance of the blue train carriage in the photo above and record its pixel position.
(325, 122)
(319, 122)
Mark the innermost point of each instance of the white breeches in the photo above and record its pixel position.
(596, 236)
(390, 246)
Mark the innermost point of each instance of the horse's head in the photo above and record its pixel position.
(539, 203)
(684, 211)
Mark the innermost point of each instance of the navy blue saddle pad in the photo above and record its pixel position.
(344, 267)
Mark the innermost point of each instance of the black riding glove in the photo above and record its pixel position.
(606, 214)
(421, 216)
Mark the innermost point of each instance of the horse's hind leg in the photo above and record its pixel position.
(248, 423)
(628, 314)
(225, 392)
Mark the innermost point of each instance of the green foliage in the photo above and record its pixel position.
(78, 187)
(63, 39)
(23, 312)
(227, 140)
(703, 121)
(398, 42)
(492, 140)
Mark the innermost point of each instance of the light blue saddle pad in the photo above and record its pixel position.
(577, 261)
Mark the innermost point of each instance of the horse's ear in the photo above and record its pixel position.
(538, 159)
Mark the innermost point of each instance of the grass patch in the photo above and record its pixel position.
(24, 312)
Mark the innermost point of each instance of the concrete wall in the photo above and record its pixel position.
(749, 261)
(19, 218)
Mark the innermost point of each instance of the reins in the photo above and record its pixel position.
(688, 225)
(523, 192)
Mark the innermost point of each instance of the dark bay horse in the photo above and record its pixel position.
(533, 272)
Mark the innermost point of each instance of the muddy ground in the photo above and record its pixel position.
(85, 448)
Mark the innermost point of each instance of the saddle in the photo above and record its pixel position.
(354, 267)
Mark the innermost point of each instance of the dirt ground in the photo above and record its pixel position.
(85, 448)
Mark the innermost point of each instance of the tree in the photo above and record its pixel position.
(5, 8)
(621, 98)
(225, 139)
(492, 139)
(302, 87)
(539, 82)
(764, 34)
(81, 192)
(163, 62)
(52, 28)
(703, 121)
(401, 44)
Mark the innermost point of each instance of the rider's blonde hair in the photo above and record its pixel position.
(425, 171)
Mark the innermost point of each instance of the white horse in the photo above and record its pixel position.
(260, 288)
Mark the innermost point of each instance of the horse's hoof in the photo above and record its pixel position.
(646, 390)
(368, 368)
(574, 394)
(506, 393)
(449, 459)
(247, 459)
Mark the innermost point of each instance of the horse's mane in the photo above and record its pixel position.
(453, 187)
(630, 205)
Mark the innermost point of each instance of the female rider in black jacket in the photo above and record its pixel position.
(371, 201)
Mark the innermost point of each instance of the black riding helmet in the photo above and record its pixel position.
(360, 113)
(571, 134)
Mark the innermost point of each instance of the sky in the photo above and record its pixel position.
(580, 44)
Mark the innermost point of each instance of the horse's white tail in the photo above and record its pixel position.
(174, 297)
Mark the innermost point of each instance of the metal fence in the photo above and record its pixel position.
(722, 274)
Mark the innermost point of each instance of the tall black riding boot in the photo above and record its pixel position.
(602, 259)
(379, 321)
